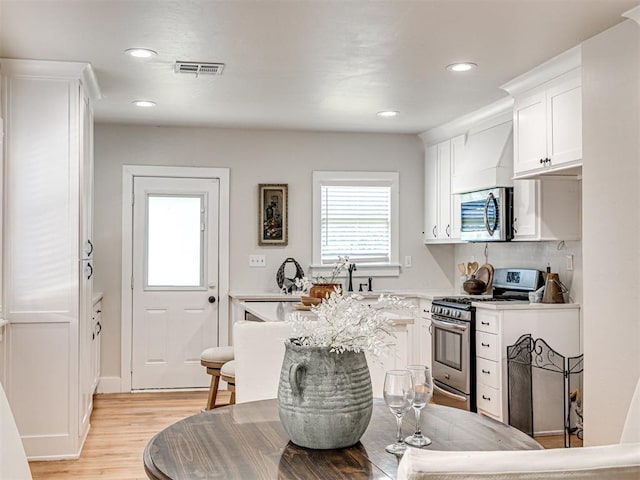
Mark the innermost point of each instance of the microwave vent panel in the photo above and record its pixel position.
(199, 68)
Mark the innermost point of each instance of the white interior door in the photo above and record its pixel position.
(175, 280)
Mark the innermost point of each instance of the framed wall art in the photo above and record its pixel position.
(273, 215)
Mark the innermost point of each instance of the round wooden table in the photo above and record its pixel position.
(247, 442)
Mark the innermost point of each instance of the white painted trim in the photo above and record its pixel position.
(486, 117)
(128, 174)
(633, 14)
(558, 65)
(393, 178)
(109, 385)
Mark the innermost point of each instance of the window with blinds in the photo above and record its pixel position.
(355, 221)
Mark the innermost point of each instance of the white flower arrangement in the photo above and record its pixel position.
(346, 324)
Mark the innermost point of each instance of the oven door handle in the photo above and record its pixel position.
(446, 393)
(447, 325)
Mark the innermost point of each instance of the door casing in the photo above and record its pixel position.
(128, 174)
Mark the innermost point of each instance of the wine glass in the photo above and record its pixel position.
(423, 388)
(398, 394)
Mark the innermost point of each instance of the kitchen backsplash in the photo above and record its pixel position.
(528, 255)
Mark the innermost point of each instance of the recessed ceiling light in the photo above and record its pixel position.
(388, 113)
(461, 67)
(140, 52)
(144, 103)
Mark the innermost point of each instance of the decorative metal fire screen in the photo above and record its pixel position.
(527, 354)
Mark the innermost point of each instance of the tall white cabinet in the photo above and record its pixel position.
(48, 145)
(442, 209)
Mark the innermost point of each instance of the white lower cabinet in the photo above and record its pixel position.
(496, 329)
(396, 359)
(422, 335)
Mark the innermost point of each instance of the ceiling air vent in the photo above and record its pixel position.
(199, 68)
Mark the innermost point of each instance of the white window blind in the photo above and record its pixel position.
(355, 222)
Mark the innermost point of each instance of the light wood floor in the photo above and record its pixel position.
(121, 426)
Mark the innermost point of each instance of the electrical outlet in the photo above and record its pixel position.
(569, 262)
(407, 261)
(259, 261)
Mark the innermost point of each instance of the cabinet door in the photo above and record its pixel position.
(423, 334)
(529, 132)
(525, 209)
(457, 153)
(97, 338)
(431, 194)
(564, 122)
(444, 190)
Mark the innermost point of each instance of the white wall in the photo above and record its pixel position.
(254, 157)
(611, 228)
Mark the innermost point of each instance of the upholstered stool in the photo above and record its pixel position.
(228, 374)
(214, 358)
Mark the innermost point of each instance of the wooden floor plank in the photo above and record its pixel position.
(121, 426)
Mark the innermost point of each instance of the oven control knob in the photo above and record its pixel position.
(445, 312)
(458, 314)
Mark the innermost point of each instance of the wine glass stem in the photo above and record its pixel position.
(418, 430)
(399, 421)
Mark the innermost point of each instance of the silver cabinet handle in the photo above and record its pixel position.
(448, 230)
(433, 231)
(486, 371)
(485, 344)
(90, 248)
(90, 271)
(484, 323)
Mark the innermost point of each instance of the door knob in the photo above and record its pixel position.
(212, 299)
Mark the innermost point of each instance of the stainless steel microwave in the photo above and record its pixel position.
(487, 215)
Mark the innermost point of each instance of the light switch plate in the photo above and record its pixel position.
(257, 261)
(407, 261)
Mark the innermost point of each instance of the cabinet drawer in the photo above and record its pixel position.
(487, 322)
(487, 346)
(487, 372)
(489, 400)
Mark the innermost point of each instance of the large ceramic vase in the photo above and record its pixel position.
(325, 399)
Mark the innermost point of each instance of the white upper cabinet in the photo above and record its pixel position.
(548, 127)
(442, 209)
(547, 118)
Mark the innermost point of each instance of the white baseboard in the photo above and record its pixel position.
(109, 385)
(114, 385)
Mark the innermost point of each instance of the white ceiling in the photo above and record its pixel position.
(313, 65)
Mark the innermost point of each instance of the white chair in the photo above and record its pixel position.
(259, 351)
(606, 462)
(13, 460)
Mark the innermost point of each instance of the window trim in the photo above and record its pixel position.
(392, 179)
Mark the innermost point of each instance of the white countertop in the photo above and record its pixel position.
(523, 305)
(282, 311)
(274, 297)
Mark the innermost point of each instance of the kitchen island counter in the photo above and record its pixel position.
(282, 311)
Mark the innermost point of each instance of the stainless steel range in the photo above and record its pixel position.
(453, 350)
(453, 336)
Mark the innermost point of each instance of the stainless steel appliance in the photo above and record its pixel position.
(487, 215)
(453, 335)
(453, 350)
